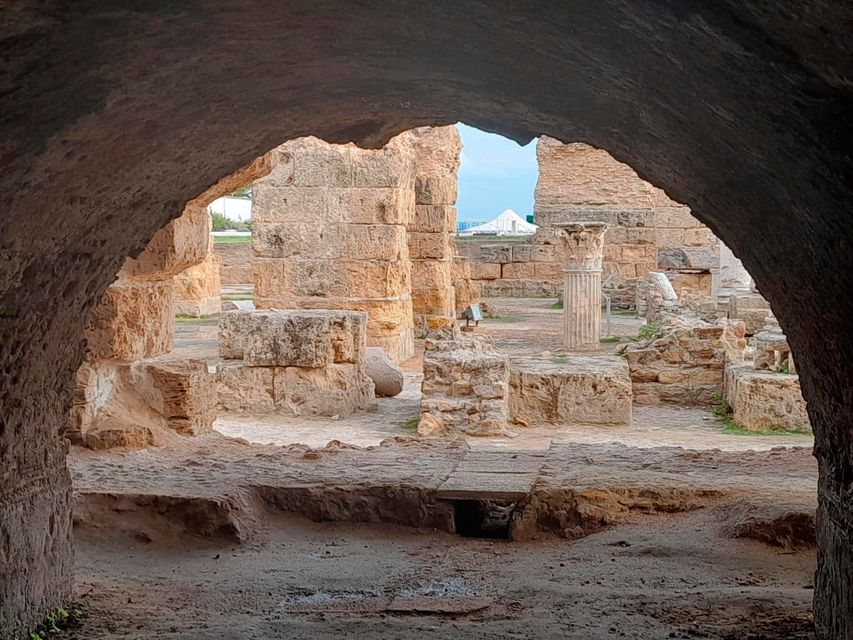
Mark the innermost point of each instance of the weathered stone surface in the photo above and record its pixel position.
(333, 390)
(137, 404)
(184, 392)
(89, 183)
(433, 218)
(337, 241)
(464, 290)
(236, 262)
(133, 320)
(465, 386)
(750, 307)
(331, 278)
(577, 390)
(301, 338)
(179, 245)
(386, 374)
(765, 400)
(685, 365)
(198, 289)
(245, 389)
(688, 258)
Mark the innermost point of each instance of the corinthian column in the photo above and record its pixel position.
(583, 248)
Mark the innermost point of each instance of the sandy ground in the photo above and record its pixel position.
(667, 529)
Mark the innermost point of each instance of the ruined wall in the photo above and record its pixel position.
(647, 231)
(730, 106)
(235, 262)
(198, 289)
(437, 154)
(329, 231)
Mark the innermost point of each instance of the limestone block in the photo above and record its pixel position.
(699, 237)
(177, 246)
(245, 389)
(762, 400)
(429, 245)
(134, 320)
(276, 278)
(385, 317)
(437, 150)
(432, 273)
(464, 290)
(639, 236)
(93, 388)
(387, 376)
(311, 162)
(485, 271)
(334, 390)
(197, 289)
(332, 241)
(582, 390)
(432, 189)
(433, 219)
(542, 253)
(303, 338)
(236, 262)
(367, 206)
(501, 253)
(465, 385)
(752, 308)
(636, 218)
(277, 204)
(676, 217)
(517, 270)
(523, 252)
(688, 258)
(548, 271)
(184, 392)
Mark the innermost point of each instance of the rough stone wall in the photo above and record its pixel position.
(235, 262)
(758, 146)
(437, 154)
(465, 387)
(647, 231)
(685, 365)
(124, 396)
(330, 232)
(300, 362)
(198, 289)
(465, 291)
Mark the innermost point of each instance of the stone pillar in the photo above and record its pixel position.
(583, 248)
(329, 232)
(437, 153)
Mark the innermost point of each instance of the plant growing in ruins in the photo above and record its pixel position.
(649, 330)
(560, 359)
(782, 367)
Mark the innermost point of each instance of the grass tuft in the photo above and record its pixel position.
(722, 409)
(610, 340)
(412, 424)
(649, 330)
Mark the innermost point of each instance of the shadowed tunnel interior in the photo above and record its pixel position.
(114, 115)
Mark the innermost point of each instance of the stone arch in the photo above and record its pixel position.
(114, 118)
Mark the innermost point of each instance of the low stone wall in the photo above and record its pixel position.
(570, 391)
(465, 386)
(198, 290)
(751, 308)
(765, 399)
(686, 364)
(236, 262)
(300, 362)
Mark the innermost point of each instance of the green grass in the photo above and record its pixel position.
(55, 623)
(556, 305)
(734, 429)
(649, 330)
(560, 359)
(723, 410)
(782, 367)
(229, 239)
(412, 424)
(236, 296)
(611, 339)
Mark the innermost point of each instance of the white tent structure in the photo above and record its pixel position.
(508, 223)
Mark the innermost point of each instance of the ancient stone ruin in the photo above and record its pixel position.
(114, 118)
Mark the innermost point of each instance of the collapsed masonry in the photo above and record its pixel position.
(647, 232)
(126, 393)
(297, 363)
(765, 394)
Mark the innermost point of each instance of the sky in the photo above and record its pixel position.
(495, 174)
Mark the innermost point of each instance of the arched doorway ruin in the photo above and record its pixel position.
(731, 108)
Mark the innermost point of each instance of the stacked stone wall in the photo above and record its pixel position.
(647, 231)
(330, 232)
(431, 250)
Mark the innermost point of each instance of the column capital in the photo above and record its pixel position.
(582, 245)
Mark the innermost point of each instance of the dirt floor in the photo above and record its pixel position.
(321, 528)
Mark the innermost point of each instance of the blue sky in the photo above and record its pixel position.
(495, 174)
